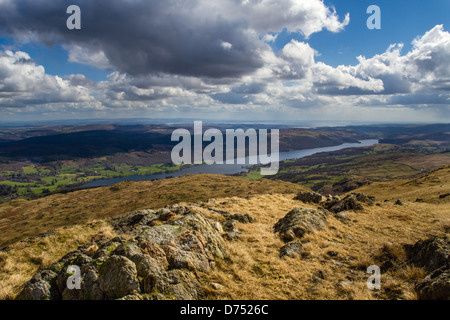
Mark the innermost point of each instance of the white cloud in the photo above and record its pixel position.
(23, 82)
(90, 56)
(426, 67)
(291, 80)
(226, 45)
(305, 16)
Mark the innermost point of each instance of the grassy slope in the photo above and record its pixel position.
(253, 269)
(20, 219)
(428, 188)
(383, 162)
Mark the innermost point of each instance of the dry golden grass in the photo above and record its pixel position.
(428, 188)
(21, 219)
(255, 271)
(23, 259)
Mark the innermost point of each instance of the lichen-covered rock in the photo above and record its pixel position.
(349, 203)
(242, 218)
(133, 221)
(154, 250)
(149, 270)
(362, 197)
(231, 230)
(118, 277)
(291, 249)
(309, 197)
(161, 262)
(436, 286)
(214, 241)
(39, 287)
(181, 285)
(132, 297)
(299, 222)
(431, 254)
(188, 251)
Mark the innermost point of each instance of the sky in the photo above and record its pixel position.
(249, 60)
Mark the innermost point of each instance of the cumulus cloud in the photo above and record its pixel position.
(305, 16)
(298, 58)
(214, 39)
(90, 56)
(208, 56)
(23, 82)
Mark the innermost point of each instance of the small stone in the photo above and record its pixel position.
(332, 253)
(291, 250)
(217, 286)
(344, 284)
(91, 250)
(218, 227)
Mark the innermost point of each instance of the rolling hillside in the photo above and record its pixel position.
(333, 259)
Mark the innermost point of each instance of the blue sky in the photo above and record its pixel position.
(402, 21)
(132, 60)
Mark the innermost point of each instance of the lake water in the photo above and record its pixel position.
(227, 168)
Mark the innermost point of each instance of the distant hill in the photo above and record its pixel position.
(84, 144)
(52, 144)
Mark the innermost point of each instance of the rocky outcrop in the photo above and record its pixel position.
(299, 222)
(362, 197)
(433, 255)
(242, 217)
(118, 277)
(231, 230)
(436, 286)
(309, 197)
(40, 287)
(349, 203)
(162, 260)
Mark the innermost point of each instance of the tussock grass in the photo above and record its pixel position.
(374, 237)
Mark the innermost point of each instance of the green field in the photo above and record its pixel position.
(35, 180)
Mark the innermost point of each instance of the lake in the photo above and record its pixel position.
(227, 169)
